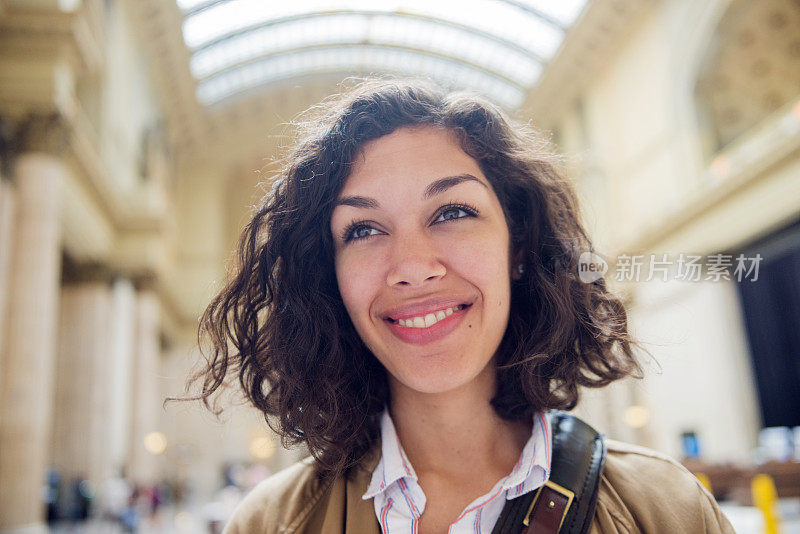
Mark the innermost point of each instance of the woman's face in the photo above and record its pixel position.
(422, 259)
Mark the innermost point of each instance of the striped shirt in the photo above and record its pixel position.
(399, 500)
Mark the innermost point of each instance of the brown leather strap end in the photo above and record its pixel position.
(547, 513)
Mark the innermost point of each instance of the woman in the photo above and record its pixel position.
(407, 305)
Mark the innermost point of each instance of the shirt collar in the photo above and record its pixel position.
(533, 468)
(531, 471)
(393, 464)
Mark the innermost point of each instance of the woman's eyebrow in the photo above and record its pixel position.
(357, 201)
(443, 184)
(436, 187)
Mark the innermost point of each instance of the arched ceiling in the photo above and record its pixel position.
(254, 69)
(497, 47)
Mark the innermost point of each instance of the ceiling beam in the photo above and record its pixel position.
(471, 31)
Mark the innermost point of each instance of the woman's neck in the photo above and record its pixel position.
(458, 432)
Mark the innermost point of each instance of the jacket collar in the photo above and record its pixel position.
(360, 514)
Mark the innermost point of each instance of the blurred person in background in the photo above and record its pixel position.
(116, 492)
(131, 514)
(53, 495)
(80, 497)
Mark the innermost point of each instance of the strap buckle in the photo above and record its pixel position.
(564, 492)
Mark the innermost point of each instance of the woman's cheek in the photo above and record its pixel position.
(480, 260)
(358, 279)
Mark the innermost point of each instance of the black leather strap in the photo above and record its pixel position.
(577, 462)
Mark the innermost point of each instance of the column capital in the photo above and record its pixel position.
(81, 273)
(42, 132)
(145, 281)
(6, 147)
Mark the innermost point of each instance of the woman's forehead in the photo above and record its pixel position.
(409, 157)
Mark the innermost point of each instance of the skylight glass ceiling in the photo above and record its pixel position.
(496, 47)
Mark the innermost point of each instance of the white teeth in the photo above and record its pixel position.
(429, 319)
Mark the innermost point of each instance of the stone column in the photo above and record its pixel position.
(121, 349)
(7, 212)
(26, 391)
(146, 398)
(81, 426)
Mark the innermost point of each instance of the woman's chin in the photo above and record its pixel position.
(434, 383)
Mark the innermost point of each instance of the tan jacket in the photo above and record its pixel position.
(640, 491)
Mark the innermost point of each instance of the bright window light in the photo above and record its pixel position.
(565, 12)
(349, 29)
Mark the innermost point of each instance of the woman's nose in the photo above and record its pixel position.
(414, 261)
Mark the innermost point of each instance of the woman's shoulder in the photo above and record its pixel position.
(280, 501)
(644, 490)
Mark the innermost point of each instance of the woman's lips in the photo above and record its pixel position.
(435, 332)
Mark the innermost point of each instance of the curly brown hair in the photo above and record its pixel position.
(280, 325)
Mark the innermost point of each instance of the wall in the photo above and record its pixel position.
(640, 146)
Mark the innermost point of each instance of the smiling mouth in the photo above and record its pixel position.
(429, 319)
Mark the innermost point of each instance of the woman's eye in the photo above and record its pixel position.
(360, 232)
(452, 213)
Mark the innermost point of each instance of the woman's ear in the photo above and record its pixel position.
(517, 266)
